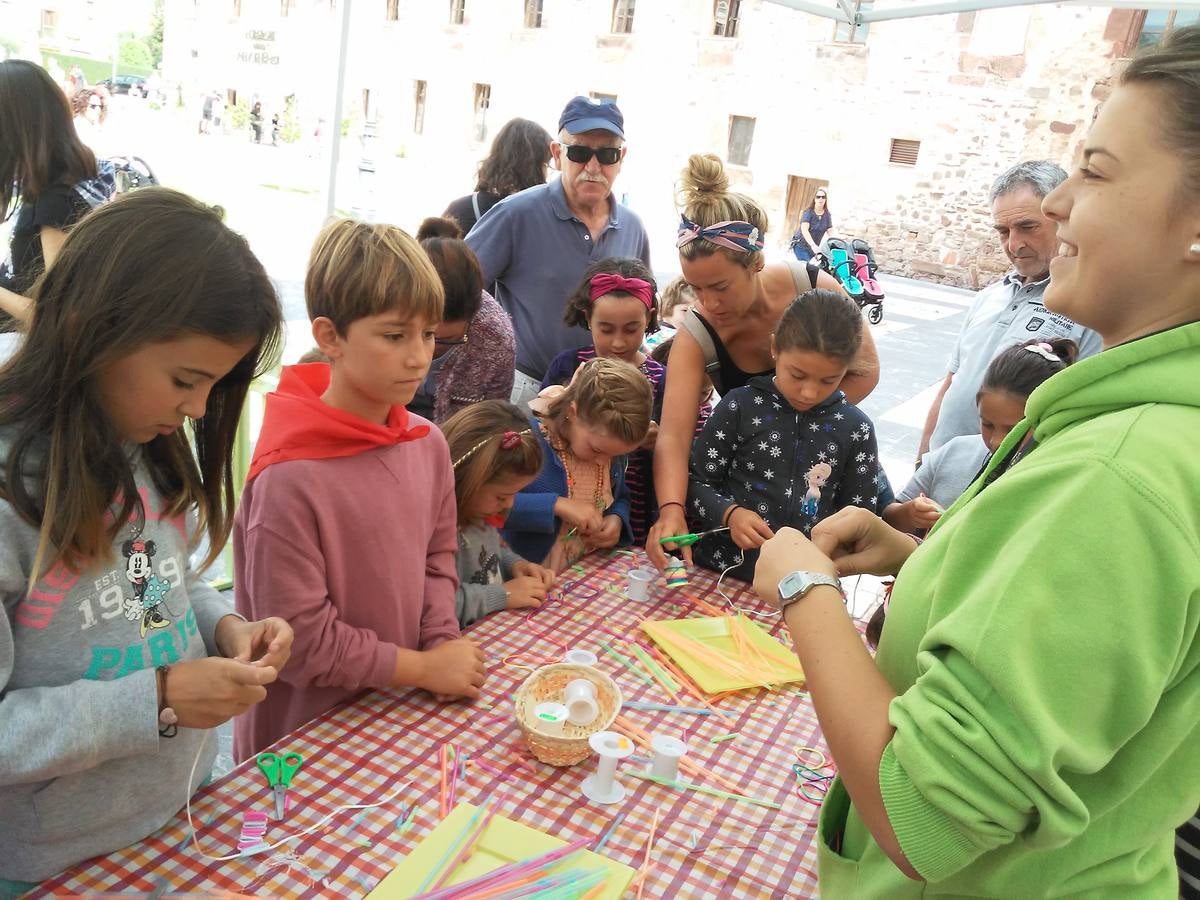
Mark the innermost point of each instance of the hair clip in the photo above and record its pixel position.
(1044, 350)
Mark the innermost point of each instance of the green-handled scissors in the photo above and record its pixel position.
(279, 769)
(686, 540)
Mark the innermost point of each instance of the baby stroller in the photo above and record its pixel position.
(852, 263)
(132, 172)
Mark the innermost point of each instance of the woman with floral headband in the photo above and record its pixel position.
(728, 335)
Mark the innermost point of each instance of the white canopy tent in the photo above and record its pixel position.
(846, 11)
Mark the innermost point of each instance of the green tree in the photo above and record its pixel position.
(134, 52)
(154, 41)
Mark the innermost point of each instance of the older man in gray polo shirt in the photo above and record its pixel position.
(535, 245)
(1011, 310)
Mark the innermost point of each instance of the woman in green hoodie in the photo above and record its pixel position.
(1031, 724)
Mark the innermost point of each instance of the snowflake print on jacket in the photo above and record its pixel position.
(759, 452)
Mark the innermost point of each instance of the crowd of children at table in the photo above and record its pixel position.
(492, 505)
(155, 310)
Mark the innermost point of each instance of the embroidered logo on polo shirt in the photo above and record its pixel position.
(1034, 324)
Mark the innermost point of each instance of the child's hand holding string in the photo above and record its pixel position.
(206, 692)
(748, 529)
(923, 512)
(524, 568)
(267, 642)
(579, 514)
(524, 592)
(607, 535)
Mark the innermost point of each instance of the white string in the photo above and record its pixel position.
(734, 606)
(264, 848)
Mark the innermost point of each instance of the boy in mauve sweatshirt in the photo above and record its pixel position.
(347, 522)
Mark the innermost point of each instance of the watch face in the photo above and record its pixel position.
(792, 584)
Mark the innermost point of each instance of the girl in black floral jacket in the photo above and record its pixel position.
(788, 448)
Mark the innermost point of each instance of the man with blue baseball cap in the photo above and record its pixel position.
(536, 245)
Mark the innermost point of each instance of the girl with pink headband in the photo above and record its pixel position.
(617, 303)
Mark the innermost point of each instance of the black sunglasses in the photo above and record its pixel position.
(820, 196)
(578, 153)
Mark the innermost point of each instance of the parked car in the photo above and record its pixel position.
(133, 85)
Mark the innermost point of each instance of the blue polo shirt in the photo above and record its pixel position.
(536, 251)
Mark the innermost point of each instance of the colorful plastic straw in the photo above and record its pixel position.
(472, 840)
(688, 683)
(666, 707)
(454, 769)
(645, 869)
(702, 789)
(442, 790)
(505, 874)
(468, 830)
(627, 663)
(617, 820)
(640, 736)
(659, 675)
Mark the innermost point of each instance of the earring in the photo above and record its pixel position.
(1195, 248)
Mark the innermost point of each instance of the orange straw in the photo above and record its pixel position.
(703, 606)
(688, 685)
(645, 870)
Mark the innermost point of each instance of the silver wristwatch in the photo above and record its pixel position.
(794, 586)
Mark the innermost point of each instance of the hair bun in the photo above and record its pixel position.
(705, 174)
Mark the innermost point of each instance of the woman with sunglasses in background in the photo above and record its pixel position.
(474, 351)
(90, 106)
(815, 222)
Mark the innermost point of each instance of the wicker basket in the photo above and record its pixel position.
(549, 683)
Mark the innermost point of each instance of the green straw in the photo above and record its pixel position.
(655, 668)
(725, 737)
(627, 663)
(701, 789)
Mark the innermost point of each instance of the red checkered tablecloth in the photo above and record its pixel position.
(363, 751)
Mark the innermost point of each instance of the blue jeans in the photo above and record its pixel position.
(802, 251)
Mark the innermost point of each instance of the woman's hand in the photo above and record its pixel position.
(206, 692)
(525, 569)
(267, 642)
(859, 542)
(670, 523)
(579, 514)
(748, 529)
(788, 551)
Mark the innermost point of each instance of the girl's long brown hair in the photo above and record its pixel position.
(152, 266)
(38, 143)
